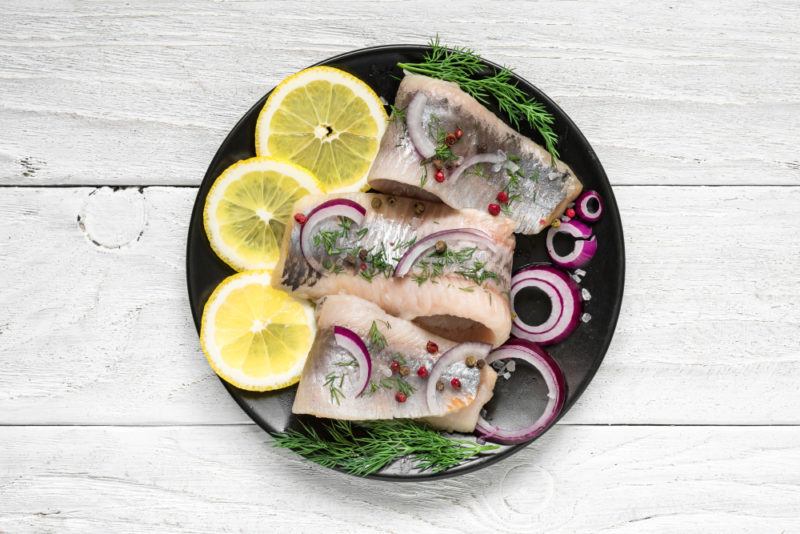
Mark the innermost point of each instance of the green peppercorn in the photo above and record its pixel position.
(440, 247)
(419, 208)
(471, 361)
(362, 254)
(376, 203)
(480, 364)
(440, 385)
(405, 371)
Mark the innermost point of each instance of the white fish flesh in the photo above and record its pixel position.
(539, 187)
(460, 293)
(331, 384)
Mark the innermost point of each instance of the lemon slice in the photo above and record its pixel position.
(256, 337)
(248, 207)
(327, 121)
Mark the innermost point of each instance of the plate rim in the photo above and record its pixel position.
(610, 200)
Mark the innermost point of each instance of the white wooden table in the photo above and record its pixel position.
(112, 420)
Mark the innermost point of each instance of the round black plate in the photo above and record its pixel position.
(579, 356)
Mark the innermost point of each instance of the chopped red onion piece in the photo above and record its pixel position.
(565, 307)
(455, 354)
(584, 249)
(337, 207)
(415, 251)
(589, 206)
(424, 145)
(352, 343)
(556, 392)
(495, 158)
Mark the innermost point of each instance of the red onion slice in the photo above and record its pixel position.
(457, 353)
(556, 392)
(337, 207)
(584, 248)
(566, 306)
(556, 304)
(352, 343)
(494, 158)
(584, 210)
(415, 251)
(416, 131)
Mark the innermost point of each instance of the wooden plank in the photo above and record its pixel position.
(668, 94)
(229, 478)
(95, 325)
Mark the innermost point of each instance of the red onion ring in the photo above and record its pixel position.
(556, 392)
(584, 249)
(459, 352)
(490, 157)
(419, 248)
(352, 343)
(337, 207)
(583, 210)
(416, 132)
(566, 304)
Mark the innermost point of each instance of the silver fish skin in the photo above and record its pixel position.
(329, 364)
(546, 186)
(446, 303)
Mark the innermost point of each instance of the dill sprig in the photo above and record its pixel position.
(377, 340)
(462, 66)
(334, 383)
(376, 445)
(398, 383)
(397, 114)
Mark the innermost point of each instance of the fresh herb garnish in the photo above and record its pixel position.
(377, 340)
(433, 265)
(403, 246)
(397, 114)
(478, 273)
(349, 363)
(462, 65)
(329, 239)
(398, 383)
(334, 382)
(375, 263)
(363, 451)
(443, 153)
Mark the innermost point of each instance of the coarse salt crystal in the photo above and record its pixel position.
(586, 317)
(585, 295)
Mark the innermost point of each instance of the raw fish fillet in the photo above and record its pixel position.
(449, 301)
(545, 187)
(329, 365)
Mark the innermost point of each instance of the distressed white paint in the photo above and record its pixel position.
(689, 93)
(95, 328)
(229, 479)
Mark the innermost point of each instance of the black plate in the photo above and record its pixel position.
(579, 356)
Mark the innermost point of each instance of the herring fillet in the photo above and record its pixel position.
(450, 305)
(327, 364)
(545, 191)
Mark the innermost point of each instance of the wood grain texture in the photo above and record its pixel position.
(95, 329)
(226, 479)
(143, 93)
(98, 328)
